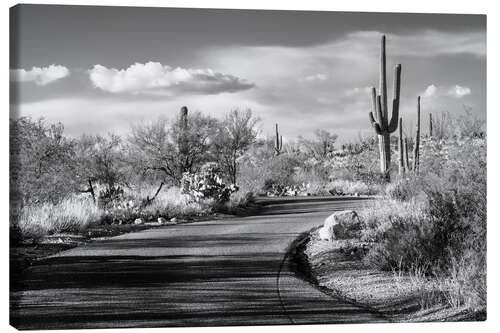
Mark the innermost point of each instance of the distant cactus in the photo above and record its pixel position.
(416, 147)
(182, 140)
(401, 149)
(278, 142)
(383, 127)
(430, 125)
(183, 117)
(407, 157)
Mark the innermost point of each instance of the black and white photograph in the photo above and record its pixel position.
(201, 167)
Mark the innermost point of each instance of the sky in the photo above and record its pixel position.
(103, 69)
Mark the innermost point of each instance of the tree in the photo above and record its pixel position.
(41, 161)
(319, 147)
(235, 134)
(100, 159)
(163, 152)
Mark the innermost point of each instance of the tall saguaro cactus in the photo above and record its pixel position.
(379, 116)
(416, 147)
(278, 142)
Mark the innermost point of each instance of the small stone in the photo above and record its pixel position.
(138, 221)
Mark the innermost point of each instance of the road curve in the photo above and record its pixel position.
(213, 273)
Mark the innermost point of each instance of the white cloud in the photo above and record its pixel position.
(458, 91)
(430, 91)
(156, 79)
(315, 77)
(455, 91)
(364, 91)
(39, 75)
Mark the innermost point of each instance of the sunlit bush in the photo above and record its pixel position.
(207, 184)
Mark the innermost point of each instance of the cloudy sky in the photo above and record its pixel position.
(100, 69)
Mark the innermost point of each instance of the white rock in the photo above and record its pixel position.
(162, 220)
(138, 221)
(341, 225)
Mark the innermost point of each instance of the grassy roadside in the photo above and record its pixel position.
(339, 267)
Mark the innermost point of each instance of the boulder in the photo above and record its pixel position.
(173, 220)
(341, 225)
(138, 221)
(162, 220)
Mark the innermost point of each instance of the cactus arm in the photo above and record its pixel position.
(393, 125)
(374, 102)
(375, 125)
(395, 102)
(397, 82)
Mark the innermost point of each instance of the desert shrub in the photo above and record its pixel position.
(407, 188)
(438, 222)
(70, 215)
(172, 202)
(207, 184)
(347, 187)
(282, 169)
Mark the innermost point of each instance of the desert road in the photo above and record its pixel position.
(224, 272)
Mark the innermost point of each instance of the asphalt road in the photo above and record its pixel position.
(223, 272)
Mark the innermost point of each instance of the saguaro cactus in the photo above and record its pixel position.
(401, 149)
(183, 144)
(430, 125)
(183, 117)
(278, 142)
(407, 157)
(416, 147)
(379, 116)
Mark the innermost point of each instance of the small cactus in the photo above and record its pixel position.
(379, 116)
(278, 142)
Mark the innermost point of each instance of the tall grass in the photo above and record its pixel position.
(70, 215)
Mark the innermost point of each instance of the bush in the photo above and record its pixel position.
(207, 184)
(437, 224)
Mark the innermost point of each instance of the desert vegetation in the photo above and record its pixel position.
(188, 166)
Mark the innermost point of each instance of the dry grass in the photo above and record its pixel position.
(353, 187)
(73, 214)
(171, 203)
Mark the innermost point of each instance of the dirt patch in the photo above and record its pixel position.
(337, 268)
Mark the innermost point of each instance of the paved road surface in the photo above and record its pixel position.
(225, 272)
